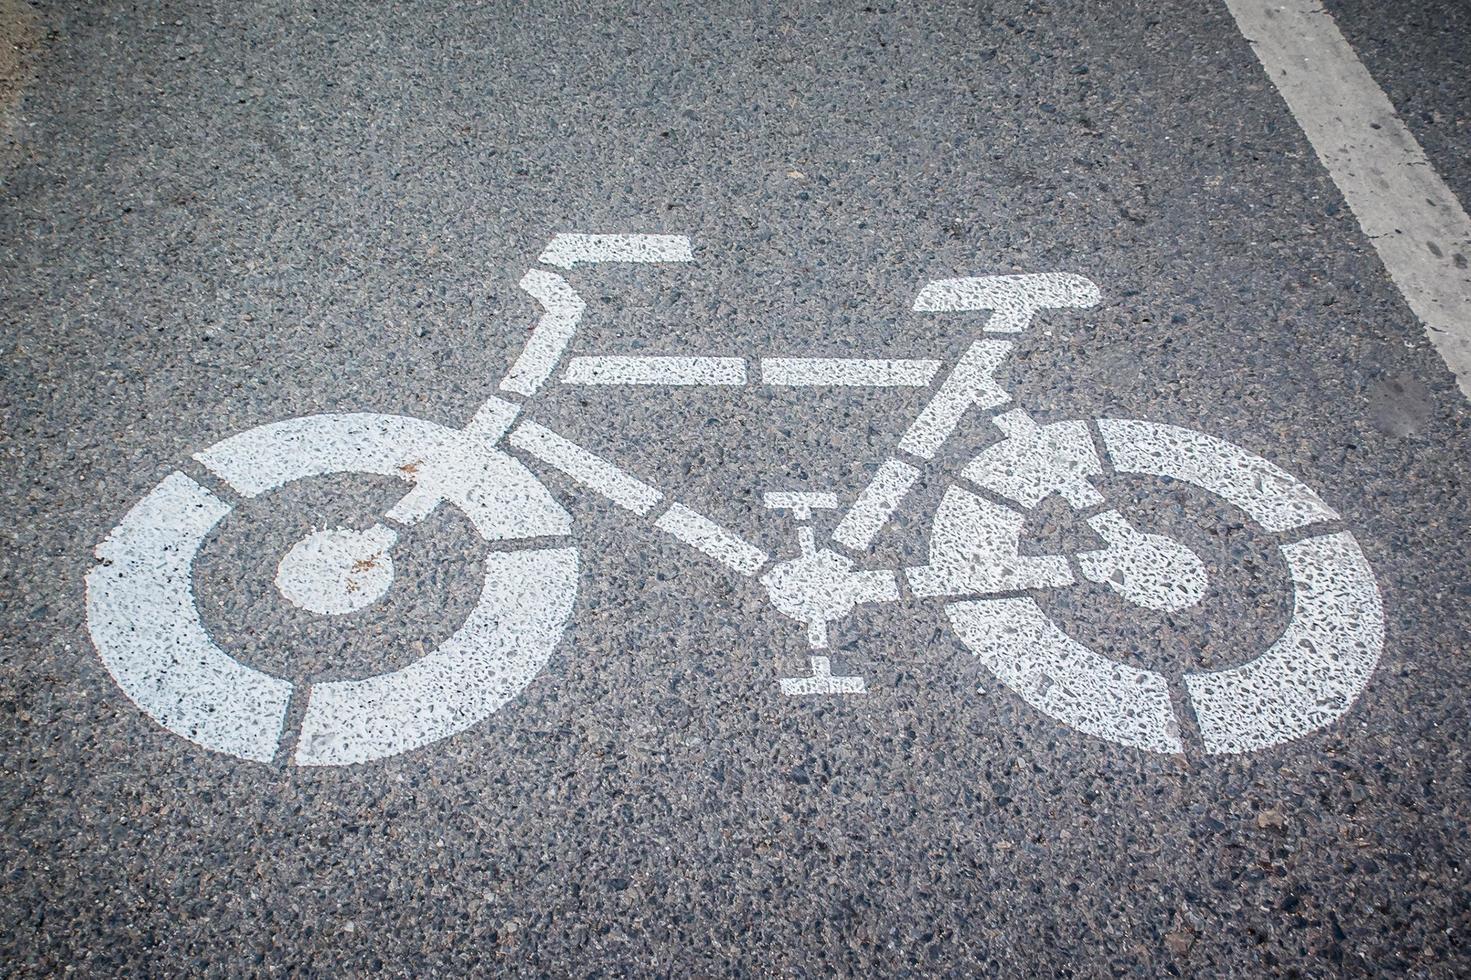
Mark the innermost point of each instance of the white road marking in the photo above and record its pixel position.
(566, 251)
(1307, 679)
(705, 535)
(592, 471)
(875, 505)
(848, 371)
(618, 369)
(524, 606)
(562, 309)
(1275, 499)
(821, 681)
(975, 549)
(1060, 677)
(1313, 674)
(1415, 223)
(1012, 300)
(821, 587)
(1035, 461)
(497, 494)
(800, 502)
(338, 570)
(970, 385)
(1149, 570)
(142, 615)
(143, 620)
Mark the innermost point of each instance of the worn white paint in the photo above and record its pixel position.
(1313, 674)
(142, 617)
(1064, 679)
(498, 495)
(1012, 300)
(800, 502)
(705, 535)
(848, 372)
(975, 550)
(821, 681)
(821, 587)
(1270, 496)
(524, 605)
(561, 311)
(618, 369)
(588, 469)
(338, 570)
(1149, 570)
(875, 505)
(566, 251)
(972, 384)
(1418, 227)
(141, 605)
(1307, 679)
(1035, 461)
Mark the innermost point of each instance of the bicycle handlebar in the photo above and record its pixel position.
(1012, 300)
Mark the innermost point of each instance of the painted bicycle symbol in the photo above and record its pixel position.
(144, 621)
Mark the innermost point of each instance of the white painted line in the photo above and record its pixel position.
(1060, 677)
(970, 384)
(566, 251)
(1149, 570)
(801, 502)
(1012, 300)
(617, 369)
(551, 335)
(705, 535)
(1313, 674)
(1035, 461)
(821, 681)
(848, 371)
(1415, 223)
(875, 505)
(524, 605)
(593, 472)
(144, 621)
(497, 494)
(1275, 499)
(975, 550)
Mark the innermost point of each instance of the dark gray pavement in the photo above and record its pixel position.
(1415, 50)
(228, 214)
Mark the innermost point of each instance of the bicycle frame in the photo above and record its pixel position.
(821, 587)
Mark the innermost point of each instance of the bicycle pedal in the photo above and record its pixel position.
(822, 681)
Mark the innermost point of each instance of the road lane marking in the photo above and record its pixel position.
(146, 624)
(1273, 498)
(848, 371)
(588, 469)
(566, 251)
(876, 504)
(525, 603)
(549, 338)
(1412, 219)
(1061, 677)
(705, 535)
(970, 385)
(618, 369)
(1011, 300)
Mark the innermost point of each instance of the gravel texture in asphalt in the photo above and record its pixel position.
(221, 215)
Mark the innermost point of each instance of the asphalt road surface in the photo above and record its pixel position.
(360, 695)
